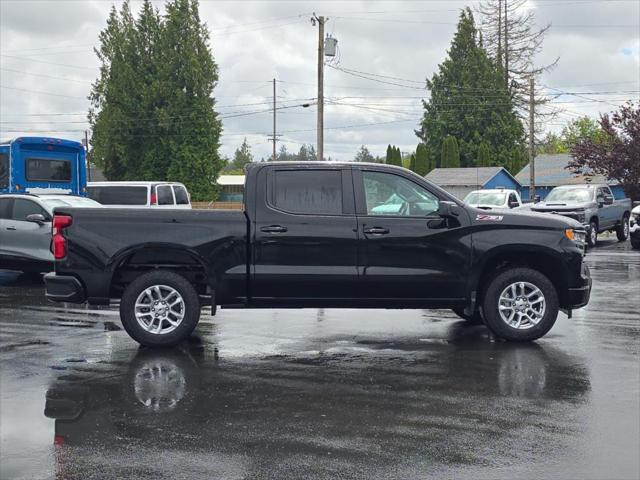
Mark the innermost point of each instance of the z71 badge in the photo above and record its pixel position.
(489, 218)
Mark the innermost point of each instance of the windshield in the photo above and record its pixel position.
(485, 198)
(79, 202)
(569, 195)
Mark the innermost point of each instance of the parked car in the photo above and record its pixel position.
(309, 236)
(140, 194)
(494, 199)
(591, 205)
(25, 229)
(634, 227)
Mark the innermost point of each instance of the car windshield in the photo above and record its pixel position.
(77, 202)
(569, 195)
(485, 198)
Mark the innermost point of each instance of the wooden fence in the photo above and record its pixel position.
(217, 205)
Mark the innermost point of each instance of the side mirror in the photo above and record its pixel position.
(36, 218)
(536, 199)
(608, 200)
(513, 204)
(447, 209)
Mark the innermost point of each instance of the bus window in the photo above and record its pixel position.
(44, 170)
(4, 170)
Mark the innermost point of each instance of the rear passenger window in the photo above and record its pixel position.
(4, 207)
(182, 198)
(165, 197)
(314, 192)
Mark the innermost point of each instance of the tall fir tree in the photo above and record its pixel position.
(422, 160)
(388, 159)
(152, 108)
(469, 101)
(450, 156)
(484, 155)
(412, 162)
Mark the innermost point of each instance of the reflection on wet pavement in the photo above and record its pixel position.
(324, 394)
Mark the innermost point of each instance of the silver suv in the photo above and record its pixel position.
(25, 229)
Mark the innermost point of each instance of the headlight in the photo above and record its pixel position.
(635, 218)
(576, 236)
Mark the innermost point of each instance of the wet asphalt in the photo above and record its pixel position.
(323, 394)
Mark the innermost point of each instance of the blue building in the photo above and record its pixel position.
(460, 181)
(551, 172)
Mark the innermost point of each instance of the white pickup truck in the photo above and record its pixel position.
(494, 199)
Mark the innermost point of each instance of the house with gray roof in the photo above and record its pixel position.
(551, 171)
(460, 181)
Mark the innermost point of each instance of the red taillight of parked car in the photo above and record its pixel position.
(154, 199)
(58, 242)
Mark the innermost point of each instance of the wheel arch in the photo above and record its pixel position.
(135, 260)
(542, 259)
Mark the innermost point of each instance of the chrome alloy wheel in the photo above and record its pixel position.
(521, 305)
(159, 309)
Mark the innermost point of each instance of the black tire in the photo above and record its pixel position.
(499, 283)
(592, 234)
(635, 243)
(622, 230)
(191, 313)
(475, 319)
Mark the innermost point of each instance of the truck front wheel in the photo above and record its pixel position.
(520, 304)
(592, 234)
(622, 231)
(159, 309)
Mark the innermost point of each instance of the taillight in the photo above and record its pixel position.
(154, 199)
(58, 440)
(59, 243)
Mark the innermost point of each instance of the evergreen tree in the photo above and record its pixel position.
(450, 156)
(422, 160)
(388, 158)
(364, 155)
(397, 157)
(284, 155)
(242, 155)
(412, 162)
(152, 109)
(484, 155)
(469, 101)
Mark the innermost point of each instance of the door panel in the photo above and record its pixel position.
(298, 255)
(406, 250)
(24, 239)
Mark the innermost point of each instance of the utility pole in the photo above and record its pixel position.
(532, 152)
(320, 127)
(86, 147)
(274, 119)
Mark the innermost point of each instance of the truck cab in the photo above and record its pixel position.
(494, 199)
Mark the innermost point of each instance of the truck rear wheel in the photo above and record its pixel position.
(622, 231)
(520, 304)
(159, 309)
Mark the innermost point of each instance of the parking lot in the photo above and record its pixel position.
(323, 393)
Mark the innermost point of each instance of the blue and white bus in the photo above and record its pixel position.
(42, 165)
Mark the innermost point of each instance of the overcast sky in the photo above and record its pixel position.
(47, 65)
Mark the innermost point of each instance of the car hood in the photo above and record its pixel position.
(524, 218)
(559, 206)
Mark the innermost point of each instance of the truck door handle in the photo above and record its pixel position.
(273, 229)
(376, 231)
(11, 228)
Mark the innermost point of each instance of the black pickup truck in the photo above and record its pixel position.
(322, 234)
